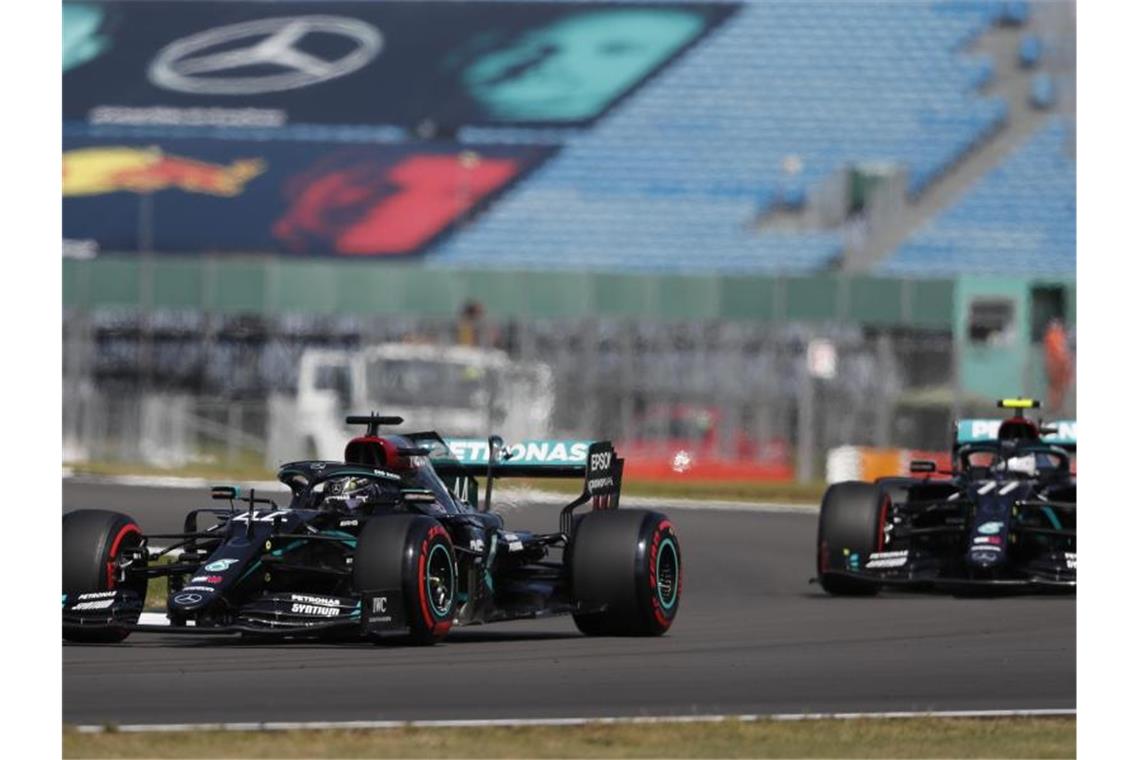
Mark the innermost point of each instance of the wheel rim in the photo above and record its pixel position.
(668, 566)
(440, 580)
(121, 540)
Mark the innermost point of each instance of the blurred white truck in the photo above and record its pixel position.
(460, 391)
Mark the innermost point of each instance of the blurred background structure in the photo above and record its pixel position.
(732, 236)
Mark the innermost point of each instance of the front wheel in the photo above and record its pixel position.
(626, 571)
(411, 554)
(93, 540)
(850, 525)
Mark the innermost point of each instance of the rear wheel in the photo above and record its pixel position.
(850, 524)
(93, 540)
(628, 563)
(411, 553)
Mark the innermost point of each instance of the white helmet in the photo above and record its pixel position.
(1026, 464)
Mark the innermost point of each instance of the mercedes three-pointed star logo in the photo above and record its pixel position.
(209, 63)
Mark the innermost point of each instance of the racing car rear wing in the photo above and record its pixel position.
(525, 459)
(1061, 433)
(594, 461)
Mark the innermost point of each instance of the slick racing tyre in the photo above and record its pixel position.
(850, 522)
(412, 554)
(93, 540)
(626, 564)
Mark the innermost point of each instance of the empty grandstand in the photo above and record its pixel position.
(1021, 217)
(672, 137)
(674, 178)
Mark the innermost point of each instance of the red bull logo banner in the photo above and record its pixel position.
(312, 199)
(400, 62)
(97, 171)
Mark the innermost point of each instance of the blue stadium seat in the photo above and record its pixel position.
(1029, 51)
(1014, 12)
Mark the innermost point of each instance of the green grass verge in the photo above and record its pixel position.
(157, 590)
(877, 738)
(798, 493)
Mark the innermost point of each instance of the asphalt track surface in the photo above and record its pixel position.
(752, 636)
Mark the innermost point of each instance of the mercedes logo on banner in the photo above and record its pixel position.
(223, 60)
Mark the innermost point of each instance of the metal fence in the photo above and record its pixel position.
(161, 429)
(170, 388)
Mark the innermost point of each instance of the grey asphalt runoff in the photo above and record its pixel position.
(752, 636)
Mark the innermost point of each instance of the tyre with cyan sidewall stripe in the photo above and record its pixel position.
(850, 523)
(412, 553)
(626, 573)
(93, 540)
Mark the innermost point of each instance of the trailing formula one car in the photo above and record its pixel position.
(1005, 516)
(393, 543)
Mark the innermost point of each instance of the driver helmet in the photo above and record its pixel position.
(351, 493)
(1018, 429)
(1024, 464)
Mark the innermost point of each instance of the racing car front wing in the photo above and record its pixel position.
(950, 584)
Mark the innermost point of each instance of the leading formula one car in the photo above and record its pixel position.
(394, 543)
(1005, 517)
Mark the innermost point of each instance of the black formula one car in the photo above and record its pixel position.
(394, 543)
(1004, 518)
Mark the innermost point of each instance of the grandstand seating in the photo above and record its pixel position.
(673, 178)
(1020, 217)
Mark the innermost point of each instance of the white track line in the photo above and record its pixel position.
(158, 618)
(521, 722)
(154, 618)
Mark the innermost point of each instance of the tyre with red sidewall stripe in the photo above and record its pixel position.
(412, 553)
(851, 521)
(93, 540)
(626, 573)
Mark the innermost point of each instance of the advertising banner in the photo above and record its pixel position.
(292, 197)
(379, 63)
